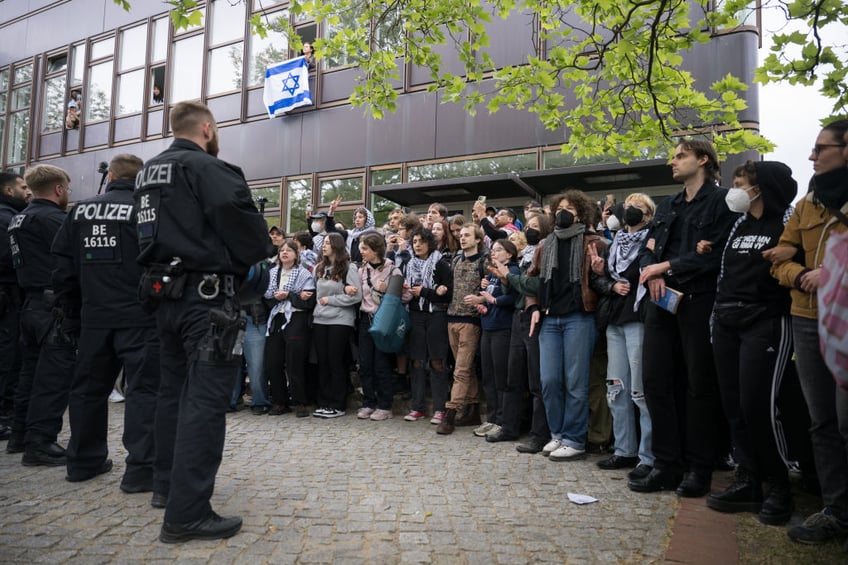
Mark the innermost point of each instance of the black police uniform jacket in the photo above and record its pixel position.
(9, 208)
(96, 268)
(199, 208)
(31, 235)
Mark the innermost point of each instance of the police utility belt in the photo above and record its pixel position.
(168, 281)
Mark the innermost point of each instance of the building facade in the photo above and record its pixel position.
(129, 68)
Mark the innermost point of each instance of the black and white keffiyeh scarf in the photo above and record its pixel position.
(299, 279)
(623, 251)
(420, 272)
(355, 232)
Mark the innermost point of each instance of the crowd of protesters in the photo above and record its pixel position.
(700, 301)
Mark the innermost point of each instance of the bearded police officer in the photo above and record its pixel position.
(199, 233)
(48, 345)
(14, 196)
(97, 276)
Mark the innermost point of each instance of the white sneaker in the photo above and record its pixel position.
(364, 413)
(551, 446)
(493, 430)
(380, 414)
(322, 412)
(482, 430)
(116, 396)
(567, 453)
(332, 413)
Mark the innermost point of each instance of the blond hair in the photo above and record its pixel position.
(642, 198)
(42, 178)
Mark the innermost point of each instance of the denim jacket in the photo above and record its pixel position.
(709, 219)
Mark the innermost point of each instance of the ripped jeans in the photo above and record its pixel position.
(625, 389)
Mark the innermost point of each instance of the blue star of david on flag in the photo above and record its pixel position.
(286, 86)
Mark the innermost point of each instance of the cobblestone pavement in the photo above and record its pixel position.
(345, 491)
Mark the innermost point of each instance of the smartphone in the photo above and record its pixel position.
(481, 199)
(309, 208)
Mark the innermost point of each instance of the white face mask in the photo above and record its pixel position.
(737, 200)
(613, 224)
(317, 227)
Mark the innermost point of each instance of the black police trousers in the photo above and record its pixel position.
(10, 367)
(102, 353)
(191, 408)
(681, 387)
(47, 366)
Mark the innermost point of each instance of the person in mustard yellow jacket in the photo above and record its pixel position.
(808, 230)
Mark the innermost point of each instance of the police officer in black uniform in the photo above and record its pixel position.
(199, 233)
(97, 273)
(48, 347)
(14, 196)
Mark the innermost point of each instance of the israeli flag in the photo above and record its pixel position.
(287, 86)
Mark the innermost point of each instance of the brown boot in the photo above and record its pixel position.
(470, 416)
(447, 425)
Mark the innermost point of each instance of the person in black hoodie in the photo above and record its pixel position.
(752, 340)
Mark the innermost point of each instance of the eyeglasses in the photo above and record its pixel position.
(819, 147)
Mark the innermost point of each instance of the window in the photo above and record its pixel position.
(473, 167)
(19, 113)
(299, 193)
(159, 44)
(186, 73)
(4, 88)
(347, 20)
(131, 70)
(99, 92)
(226, 35)
(350, 190)
(77, 64)
(53, 109)
(265, 52)
(558, 160)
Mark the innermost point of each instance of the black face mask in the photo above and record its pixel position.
(533, 236)
(633, 216)
(831, 188)
(564, 219)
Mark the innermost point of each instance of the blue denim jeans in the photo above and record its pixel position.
(254, 356)
(828, 406)
(565, 346)
(624, 389)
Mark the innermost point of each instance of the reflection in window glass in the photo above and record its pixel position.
(185, 81)
(98, 94)
(558, 160)
(20, 97)
(103, 48)
(473, 167)
(299, 195)
(192, 28)
(388, 34)
(133, 43)
(78, 63)
(381, 208)
(4, 83)
(225, 68)
(385, 176)
(264, 52)
(57, 63)
(54, 104)
(227, 21)
(130, 92)
(23, 74)
(270, 193)
(344, 217)
(350, 190)
(2, 131)
(18, 128)
(159, 49)
(347, 20)
(262, 4)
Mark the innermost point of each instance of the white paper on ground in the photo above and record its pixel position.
(581, 498)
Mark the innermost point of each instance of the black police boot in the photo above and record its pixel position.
(44, 454)
(778, 505)
(16, 442)
(211, 526)
(745, 494)
(78, 476)
(655, 481)
(694, 485)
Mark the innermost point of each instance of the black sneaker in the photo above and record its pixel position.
(617, 462)
(819, 528)
(778, 506)
(80, 476)
(532, 446)
(259, 410)
(640, 472)
(211, 526)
